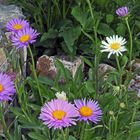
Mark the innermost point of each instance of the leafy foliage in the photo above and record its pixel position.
(76, 27)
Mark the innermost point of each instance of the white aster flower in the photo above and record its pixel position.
(114, 45)
(61, 95)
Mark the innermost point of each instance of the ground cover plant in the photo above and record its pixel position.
(92, 104)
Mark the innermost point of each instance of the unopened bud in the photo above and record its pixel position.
(111, 113)
(122, 105)
(61, 95)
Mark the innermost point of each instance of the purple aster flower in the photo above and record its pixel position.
(7, 88)
(58, 114)
(16, 24)
(122, 11)
(89, 110)
(24, 37)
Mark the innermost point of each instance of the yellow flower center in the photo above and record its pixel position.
(86, 111)
(58, 114)
(24, 38)
(115, 46)
(1, 87)
(17, 26)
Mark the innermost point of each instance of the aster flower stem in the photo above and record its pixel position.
(63, 133)
(6, 131)
(130, 37)
(82, 131)
(34, 73)
(20, 102)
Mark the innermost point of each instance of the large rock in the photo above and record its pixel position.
(135, 82)
(8, 54)
(9, 11)
(46, 66)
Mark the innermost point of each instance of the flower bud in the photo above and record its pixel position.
(122, 105)
(61, 95)
(111, 113)
(122, 11)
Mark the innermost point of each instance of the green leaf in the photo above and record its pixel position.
(63, 71)
(71, 138)
(121, 29)
(136, 129)
(105, 30)
(17, 131)
(109, 18)
(37, 136)
(87, 61)
(79, 75)
(80, 16)
(90, 87)
(70, 36)
(102, 3)
(51, 34)
(137, 23)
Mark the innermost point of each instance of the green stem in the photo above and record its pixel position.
(118, 64)
(120, 71)
(20, 102)
(132, 119)
(116, 123)
(130, 37)
(49, 14)
(34, 74)
(96, 62)
(64, 9)
(82, 131)
(63, 133)
(109, 126)
(6, 131)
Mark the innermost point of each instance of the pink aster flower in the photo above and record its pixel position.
(58, 114)
(7, 88)
(122, 11)
(16, 24)
(24, 37)
(89, 110)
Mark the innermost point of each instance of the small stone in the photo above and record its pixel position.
(103, 68)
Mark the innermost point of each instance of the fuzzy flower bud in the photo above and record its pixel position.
(122, 105)
(111, 113)
(61, 95)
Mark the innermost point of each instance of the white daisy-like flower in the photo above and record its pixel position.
(114, 45)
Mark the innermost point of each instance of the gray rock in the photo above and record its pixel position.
(9, 11)
(8, 54)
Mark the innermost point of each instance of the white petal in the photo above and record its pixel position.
(104, 43)
(117, 54)
(109, 55)
(105, 50)
(109, 40)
